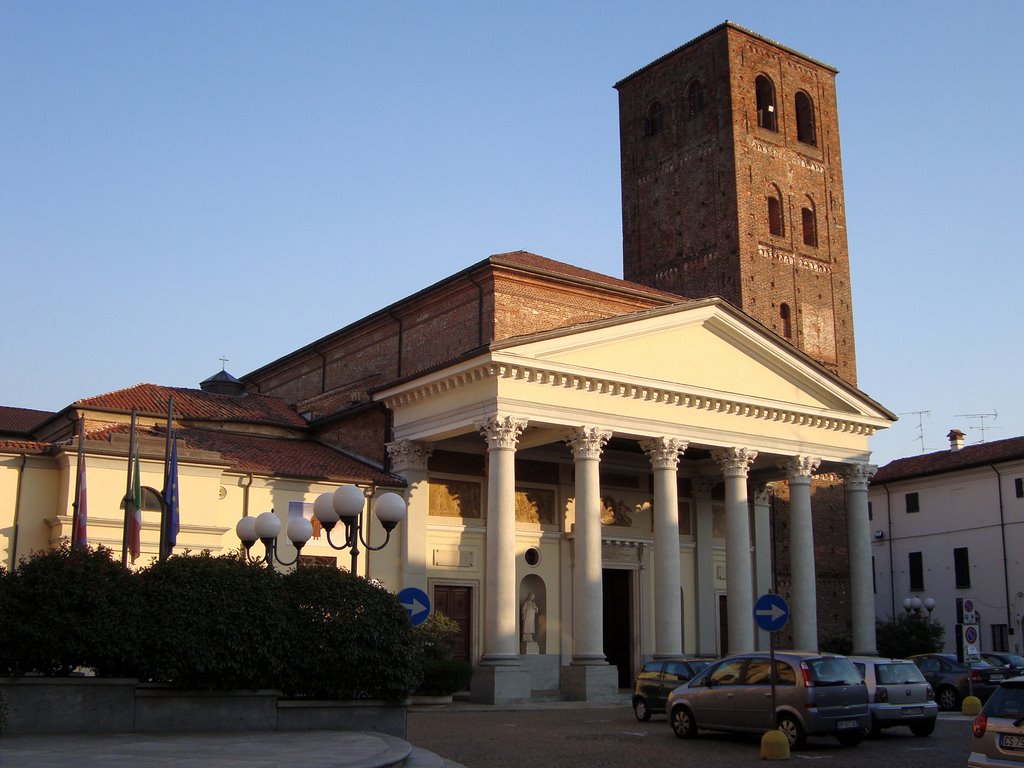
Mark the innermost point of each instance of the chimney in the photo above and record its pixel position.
(956, 439)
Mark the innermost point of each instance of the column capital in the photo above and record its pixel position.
(663, 452)
(588, 442)
(800, 468)
(762, 493)
(735, 462)
(501, 431)
(857, 476)
(409, 455)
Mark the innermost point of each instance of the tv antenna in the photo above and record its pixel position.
(920, 424)
(981, 420)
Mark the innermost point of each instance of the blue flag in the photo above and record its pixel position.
(171, 498)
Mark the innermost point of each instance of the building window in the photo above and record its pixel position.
(962, 567)
(654, 123)
(871, 512)
(805, 119)
(913, 502)
(1000, 638)
(787, 321)
(1018, 483)
(874, 576)
(776, 223)
(694, 98)
(810, 224)
(916, 562)
(765, 91)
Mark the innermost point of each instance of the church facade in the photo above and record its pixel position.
(588, 461)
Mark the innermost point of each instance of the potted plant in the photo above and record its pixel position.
(443, 676)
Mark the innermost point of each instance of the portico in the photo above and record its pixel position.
(672, 404)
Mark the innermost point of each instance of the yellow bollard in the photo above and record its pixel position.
(971, 705)
(774, 746)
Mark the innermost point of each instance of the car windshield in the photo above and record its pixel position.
(833, 671)
(1015, 660)
(1006, 701)
(898, 674)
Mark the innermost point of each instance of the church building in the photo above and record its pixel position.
(587, 460)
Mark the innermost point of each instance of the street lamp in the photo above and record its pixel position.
(266, 528)
(915, 604)
(346, 505)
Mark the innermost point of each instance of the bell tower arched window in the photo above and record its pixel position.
(787, 321)
(765, 90)
(809, 220)
(694, 98)
(805, 131)
(654, 122)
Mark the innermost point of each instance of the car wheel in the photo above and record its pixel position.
(684, 725)
(948, 698)
(923, 728)
(793, 731)
(643, 714)
(850, 738)
(875, 730)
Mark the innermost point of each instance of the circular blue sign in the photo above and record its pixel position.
(771, 612)
(416, 604)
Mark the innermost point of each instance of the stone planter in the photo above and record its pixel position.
(68, 704)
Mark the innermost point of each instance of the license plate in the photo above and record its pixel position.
(1011, 741)
(845, 725)
(913, 710)
(995, 677)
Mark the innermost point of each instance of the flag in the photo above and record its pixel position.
(79, 537)
(171, 520)
(135, 522)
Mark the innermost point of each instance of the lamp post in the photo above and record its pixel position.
(915, 605)
(347, 505)
(266, 528)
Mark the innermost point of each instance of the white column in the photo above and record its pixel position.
(668, 626)
(707, 625)
(762, 547)
(588, 610)
(500, 606)
(804, 594)
(409, 460)
(735, 463)
(858, 531)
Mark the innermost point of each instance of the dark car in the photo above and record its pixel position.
(1013, 662)
(953, 680)
(815, 695)
(658, 679)
(999, 730)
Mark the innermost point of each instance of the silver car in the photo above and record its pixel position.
(898, 694)
(815, 695)
(999, 730)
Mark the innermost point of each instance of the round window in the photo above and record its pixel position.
(532, 556)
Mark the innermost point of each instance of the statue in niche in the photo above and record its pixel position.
(528, 614)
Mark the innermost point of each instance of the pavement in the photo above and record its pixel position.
(277, 749)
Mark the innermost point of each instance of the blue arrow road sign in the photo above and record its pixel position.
(771, 612)
(416, 602)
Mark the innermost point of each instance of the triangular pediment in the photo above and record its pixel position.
(703, 347)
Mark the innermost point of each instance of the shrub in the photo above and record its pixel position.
(442, 675)
(68, 609)
(347, 638)
(908, 634)
(212, 623)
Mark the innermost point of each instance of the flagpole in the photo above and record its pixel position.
(129, 494)
(76, 515)
(164, 516)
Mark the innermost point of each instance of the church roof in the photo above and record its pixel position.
(979, 455)
(21, 421)
(196, 405)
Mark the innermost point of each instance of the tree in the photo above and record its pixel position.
(908, 634)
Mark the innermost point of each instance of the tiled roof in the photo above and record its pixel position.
(970, 456)
(196, 405)
(542, 264)
(24, 446)
(21, 421)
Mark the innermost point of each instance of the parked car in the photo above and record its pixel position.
(1013, 662)
(815, 695)
(898, 694)
(953, 681)
(998, 732)
(658, 679)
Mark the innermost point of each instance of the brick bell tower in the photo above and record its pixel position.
(732, 186)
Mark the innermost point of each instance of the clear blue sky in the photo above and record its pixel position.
(186, 180)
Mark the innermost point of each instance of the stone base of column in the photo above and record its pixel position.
(589, 682)
(499, 685)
